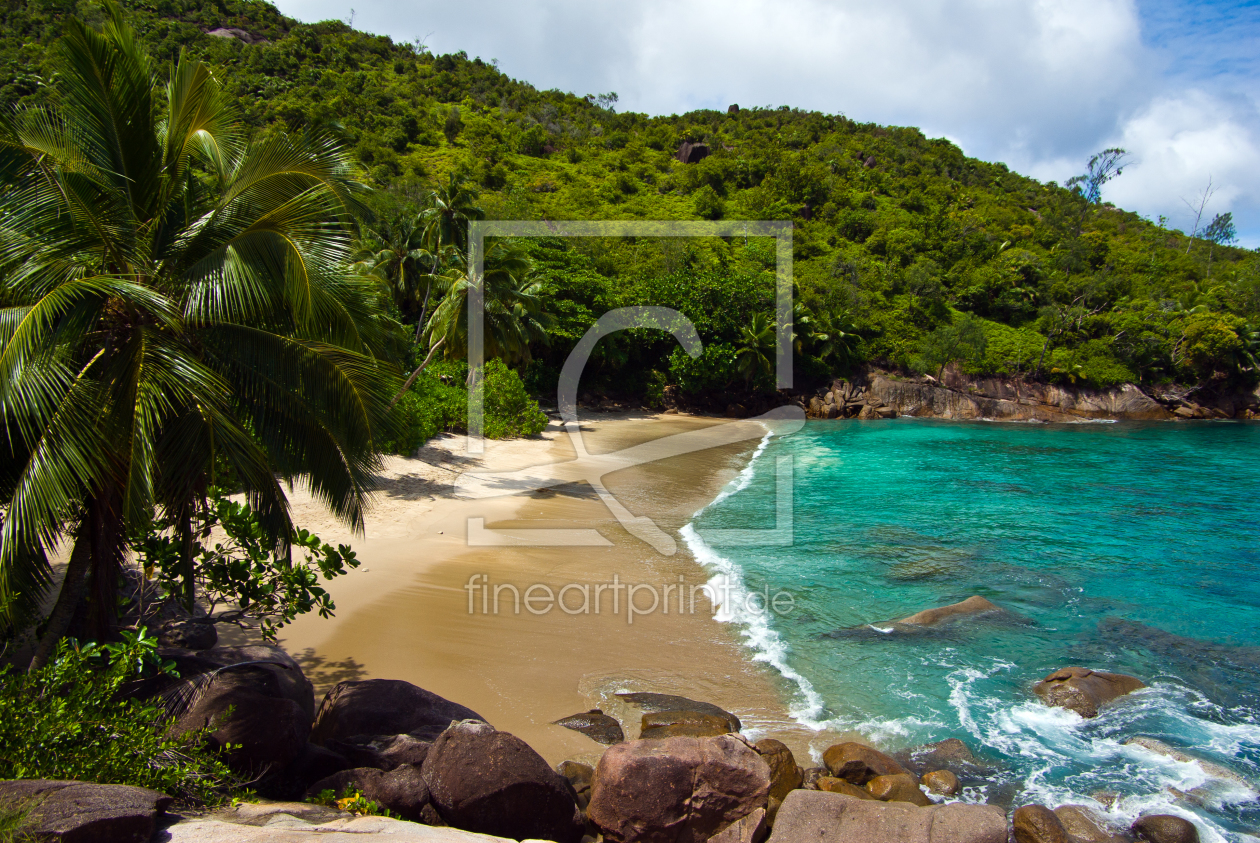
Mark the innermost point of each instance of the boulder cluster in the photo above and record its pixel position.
(445, 774)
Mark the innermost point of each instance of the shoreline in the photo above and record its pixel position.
(409, 612)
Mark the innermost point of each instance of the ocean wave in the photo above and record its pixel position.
(763, 640)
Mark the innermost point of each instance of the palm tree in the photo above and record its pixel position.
(514, 311)
(394, 250)
(451, 207)
(755, 357)
(175, 304)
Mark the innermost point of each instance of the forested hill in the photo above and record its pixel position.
(908, 253)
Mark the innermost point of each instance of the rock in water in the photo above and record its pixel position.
(974, 605)
(901, 787)
(1084, 825)
(676, 790)
(809, 815)
(78, 812)
(858, 764)
(941, 781)
(682, 724)
(1083, 690)
(385, 707)
(651, 703)
(596, 725)
(1165, 828)
(493, 783)
(401, 790)
(1038, 824)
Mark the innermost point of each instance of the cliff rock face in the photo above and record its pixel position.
(1000, 398)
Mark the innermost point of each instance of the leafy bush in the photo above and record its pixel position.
(438, 402)
(715, 368)
(69, 720)
(510, 412)
(352, 801)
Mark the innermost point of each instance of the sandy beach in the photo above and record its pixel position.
(413, 610)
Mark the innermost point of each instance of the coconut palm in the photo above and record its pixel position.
(450, 208)
(174, 307)
(515, 314)
(756, 349)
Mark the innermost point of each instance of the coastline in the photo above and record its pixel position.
(408, 612)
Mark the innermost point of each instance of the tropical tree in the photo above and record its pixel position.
(175, 313)
(515, 315)
(450, 208)
(755, 352)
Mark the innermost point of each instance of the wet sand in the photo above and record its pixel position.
(413, 611)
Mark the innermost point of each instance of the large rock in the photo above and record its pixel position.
(831, 784)
(652, 703)
(810, 816)
(942, 782)
(682, 724)
(188, 634)
(1220, 779)
(248, 709)
(315, 763)
(491, 782)
(1165, 828)
(692, 153)
(676, 790)
(858, 763)
(901, 787)
(401, 790)
(750, 829)
(579, 776)
(974, 605)
(78, 812)
(1038, 824)
(281, 828)
(1085, 825)
(1083, 690)
(384, 752)
(785, 774)
(385, 707)
(596, 725)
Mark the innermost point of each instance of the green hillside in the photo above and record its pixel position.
(907, 252)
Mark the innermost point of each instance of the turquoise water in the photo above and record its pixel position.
(1131, 547)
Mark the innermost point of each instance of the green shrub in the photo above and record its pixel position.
(510, 411)
(715, 368)
(438, 402)
(69, 720)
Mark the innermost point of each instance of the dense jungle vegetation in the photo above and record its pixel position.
(896, 235)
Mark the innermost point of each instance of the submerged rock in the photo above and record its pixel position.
(596, 725)
(1083, 690)
(1220, 777)
(974, 605)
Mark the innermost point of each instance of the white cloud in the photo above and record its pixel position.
(1179, 142)
(1039, 84)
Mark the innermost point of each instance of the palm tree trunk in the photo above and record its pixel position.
(424, 309)
(108, 546)
(73, 588)
(186, 563)
(406, 386)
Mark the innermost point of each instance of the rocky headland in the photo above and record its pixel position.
(436, 770)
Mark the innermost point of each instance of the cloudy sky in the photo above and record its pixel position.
(1038, 84)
